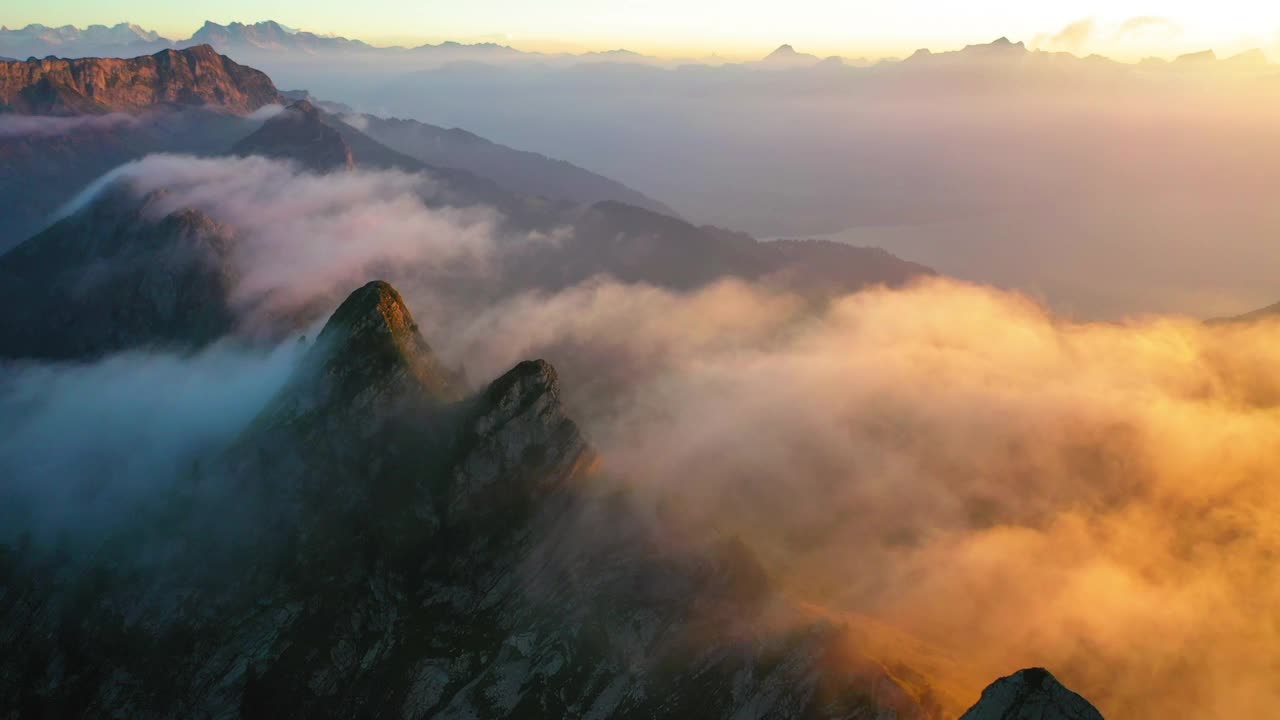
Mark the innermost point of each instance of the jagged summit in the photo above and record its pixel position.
(536, 375)
(1031, 694)
(371, 344)
(299, 133)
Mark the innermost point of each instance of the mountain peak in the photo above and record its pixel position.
(299, 133)
(1030, 694)
(783, 51)
(372, 342)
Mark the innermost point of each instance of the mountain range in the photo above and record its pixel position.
(383, 538)
(266, 38)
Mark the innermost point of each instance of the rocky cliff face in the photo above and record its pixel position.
(372, 547)
(196, 76)
(299, 134)
(1031, 694)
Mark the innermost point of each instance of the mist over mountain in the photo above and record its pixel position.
(314, 413)
(485, 622)
(980, 162)
(202, 103)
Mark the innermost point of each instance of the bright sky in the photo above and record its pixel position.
(1121, 28)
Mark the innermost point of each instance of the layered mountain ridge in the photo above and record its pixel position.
(198, 102)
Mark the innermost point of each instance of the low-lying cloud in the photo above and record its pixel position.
(955, 461)
(1088, 35)
(86, 444)
(15, 126)
(302, 238)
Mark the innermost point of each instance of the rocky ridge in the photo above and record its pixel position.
(196, 76)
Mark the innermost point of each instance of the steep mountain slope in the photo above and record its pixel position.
(372, 548)
(523, 172)
(113, 276)
(1031, 694)
(196, 76)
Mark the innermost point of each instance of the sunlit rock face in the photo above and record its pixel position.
(1031, 694)
(196, 76)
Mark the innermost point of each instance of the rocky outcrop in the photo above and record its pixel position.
(299, 134)
(1030, 694)
(196, 76)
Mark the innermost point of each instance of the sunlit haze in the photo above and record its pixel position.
(1124, 28)
(648, 360)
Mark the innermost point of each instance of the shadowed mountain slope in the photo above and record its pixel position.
(300, 135)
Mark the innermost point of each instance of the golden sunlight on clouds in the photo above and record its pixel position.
(953, 466)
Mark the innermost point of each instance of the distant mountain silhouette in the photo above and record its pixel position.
(522, 172)
(120, 40)
(268, 35)
(787, 57)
